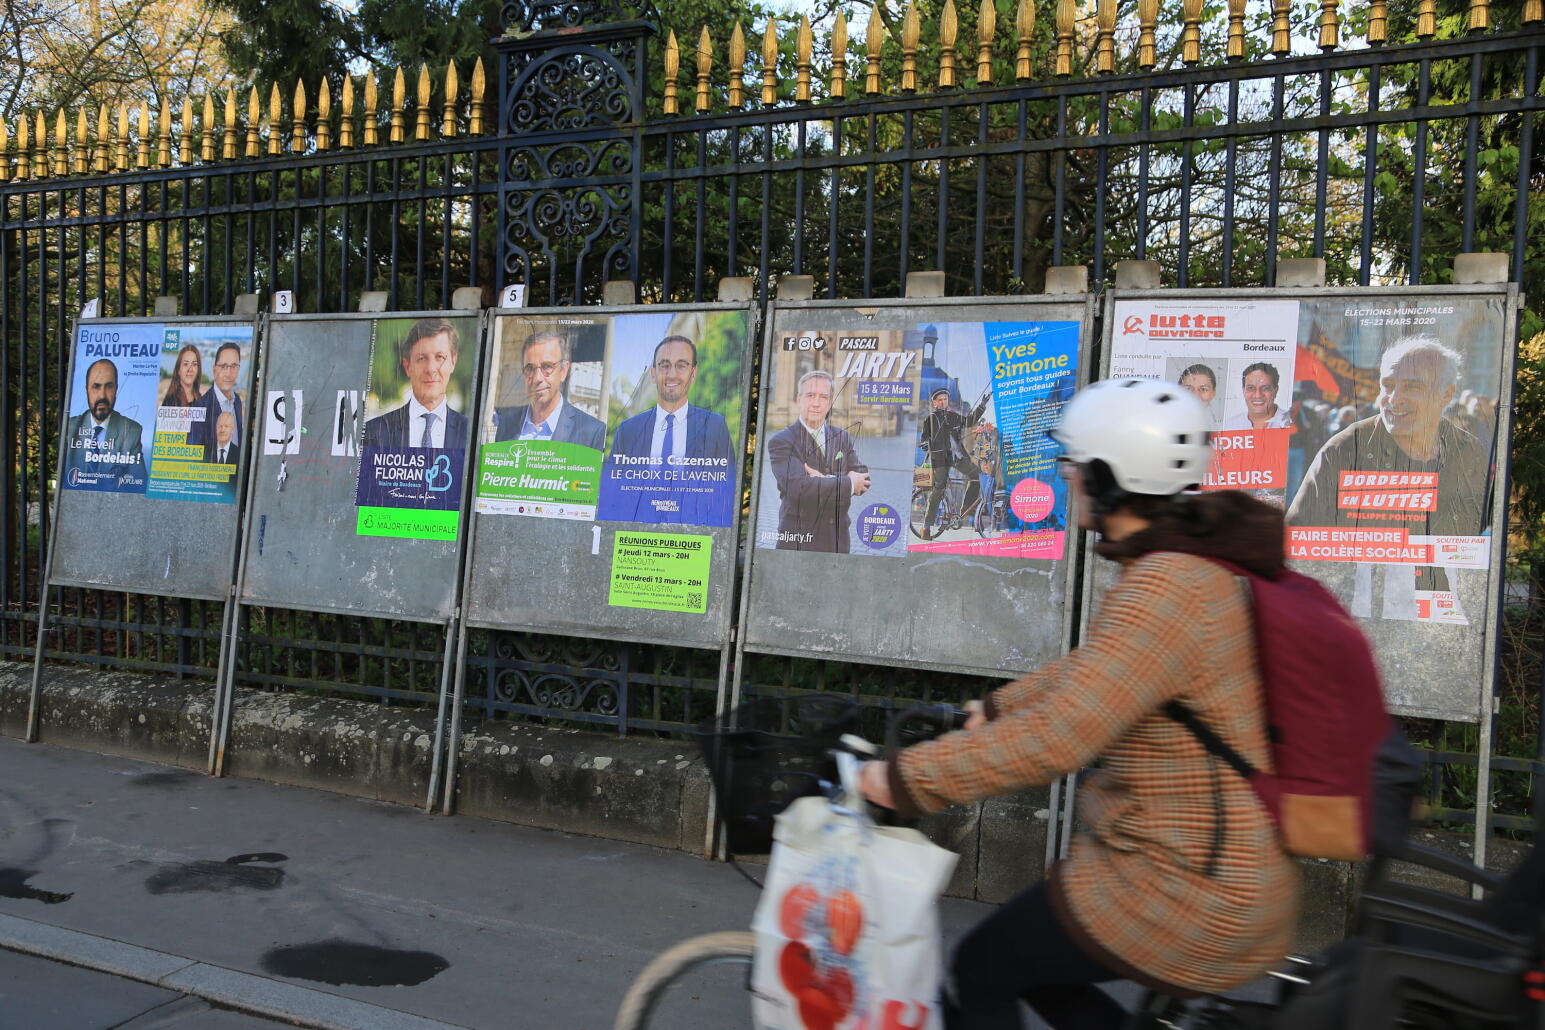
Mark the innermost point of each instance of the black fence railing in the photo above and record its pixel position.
(1385, 161)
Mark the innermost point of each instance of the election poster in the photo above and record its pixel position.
(930, 439)
(1237, 358)
(628, 418)
(1392, 480)
(1371, 420)
(203, 401)
(415, 433)
(107, 438)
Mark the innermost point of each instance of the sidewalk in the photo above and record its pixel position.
(249, 895)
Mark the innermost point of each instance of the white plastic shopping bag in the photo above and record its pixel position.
(847, 930)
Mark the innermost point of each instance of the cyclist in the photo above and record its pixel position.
(1179, 883)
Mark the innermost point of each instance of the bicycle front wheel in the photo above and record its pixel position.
(705, 974)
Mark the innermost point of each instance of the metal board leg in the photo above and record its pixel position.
(35, 696)
(447, 666)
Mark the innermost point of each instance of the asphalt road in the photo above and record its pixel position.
(323, 907)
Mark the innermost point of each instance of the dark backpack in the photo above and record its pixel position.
(1324, 712)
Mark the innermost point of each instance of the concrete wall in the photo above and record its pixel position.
(640, 789)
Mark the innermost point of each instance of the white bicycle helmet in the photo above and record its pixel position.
(1151, 435)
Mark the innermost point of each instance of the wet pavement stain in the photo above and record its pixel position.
(235, 873)
(339, 962)
(13, 884)
(174, 778)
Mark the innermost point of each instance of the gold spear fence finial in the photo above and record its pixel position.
(254, 119)
(61, 145)
(1236, 30)
(703, 100)
(949, 32)
(186, 132)
(1105, 47)
(228, 141)
(804, 45)
(298, 119)
(452, 91)
(1426, 19)
(1191, 36)
(23, 158)
(121, 158)
(142, 151)
(41, 165)
(1024, 33)
(61, 149)
(1534, 10)
(1147, 38)
(399, 98)
(324, 115)
(1330, 25)
(206, 151)
(5, 156)
(770, 63)
(275, 119)
(874, 37)
(479, 87)
(421, 125)
(1378, 22)
(82, 143)
(372, 116)
(672, 69)
(911, 36)
(346, 114)
(164, 134)
(1065, 19)
(99, 153)
(839, 86)
(986, 26)
(1480, 16)
(737, 68)
(1281, 28)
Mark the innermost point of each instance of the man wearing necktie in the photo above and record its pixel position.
(818, 473)
(225, 449)
(220, 399)
(104, 450)
(428, 356)
(668, 434)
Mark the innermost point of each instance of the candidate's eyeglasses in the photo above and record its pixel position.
(545, 369)
(680, 367)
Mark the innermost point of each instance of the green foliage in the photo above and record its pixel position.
(286, 41)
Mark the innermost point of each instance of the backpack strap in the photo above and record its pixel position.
(1182, 713)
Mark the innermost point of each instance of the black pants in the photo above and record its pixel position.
(1021, 953)
(941, 482)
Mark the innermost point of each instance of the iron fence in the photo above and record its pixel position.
(1080, 142)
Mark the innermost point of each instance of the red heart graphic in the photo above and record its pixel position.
(824, 997)
(890, 1019)
(797, 903)
(845, 917)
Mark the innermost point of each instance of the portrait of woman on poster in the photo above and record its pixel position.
(184, 387)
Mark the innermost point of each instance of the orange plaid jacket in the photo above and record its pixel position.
(1136, 889)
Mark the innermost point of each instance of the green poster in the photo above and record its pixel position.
(664, 571)
(407, 523)
(538, 477)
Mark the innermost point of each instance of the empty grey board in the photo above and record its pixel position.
(1341, 406)
(839, 565)
(582, 525)
(314, 539)
(155, 513)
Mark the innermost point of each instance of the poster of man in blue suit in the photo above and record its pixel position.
(672, 462)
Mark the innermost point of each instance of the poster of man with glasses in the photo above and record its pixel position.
(617, 418)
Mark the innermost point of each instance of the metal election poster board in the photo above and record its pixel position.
(607, 485)
(152, 449)
(359, 463)
(906, 507)
(1377, 418)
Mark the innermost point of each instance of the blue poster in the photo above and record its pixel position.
(202, 406)
(113, 405)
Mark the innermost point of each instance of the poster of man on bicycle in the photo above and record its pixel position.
(928, 439)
